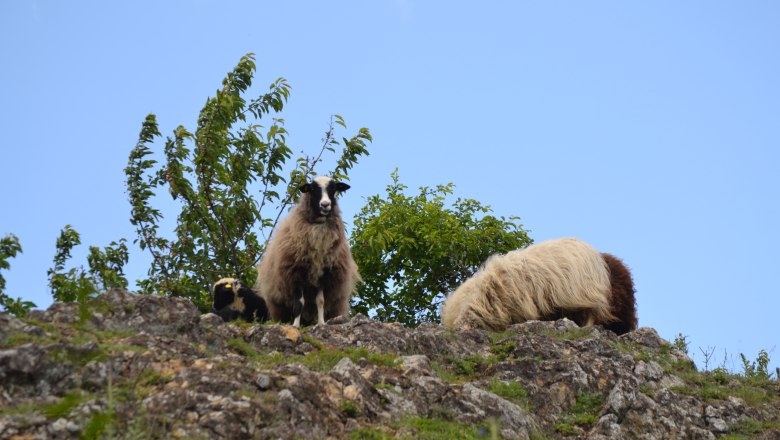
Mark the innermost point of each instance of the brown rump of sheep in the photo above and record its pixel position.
(546, 281)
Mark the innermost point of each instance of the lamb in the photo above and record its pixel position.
(550, 280)
(307, 273)
(233, 300)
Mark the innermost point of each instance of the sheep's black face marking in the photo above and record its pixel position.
(322, 195)
(223, 296)
(233, 300)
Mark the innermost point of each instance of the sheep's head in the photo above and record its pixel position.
(225, 294)
(322, 196)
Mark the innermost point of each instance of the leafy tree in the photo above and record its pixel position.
(9, 247)
(413, 250)
(228, 180)
(78, 284)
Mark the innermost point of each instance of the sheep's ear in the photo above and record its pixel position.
(306, 187)
(341, 186)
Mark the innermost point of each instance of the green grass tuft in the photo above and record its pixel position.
(64, 406)
(322, 359)
(512, 391)
(98, 426)
(584, 413)
(428, 429)
(348, 409)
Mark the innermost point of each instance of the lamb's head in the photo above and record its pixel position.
(320, 195)
(225, 294)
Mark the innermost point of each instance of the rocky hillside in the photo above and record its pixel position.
(132, 366)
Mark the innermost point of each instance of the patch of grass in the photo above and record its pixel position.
(719, 384)
(366, 433)
(17, 339)
(584, 413)
(622, 346)
(63, 407)
(744, 429)
(512, 391)
(565, 427)
(386, 386)
(450, 334)
(459, 369)
(322, 359)
(76, 356)
(84, 334)
(643, 355)
(442, 371)
(504, 350)
(720, 376)
(244, 348)
(587, 407)
(665, 349)
(428, 429)
(536, 435)
(647, 391)
(436, 429)
(18, 409)
(467, 365)
(348, 409)
(149, 377)
(496, 337)
(101, 424)
(245, 392)
(47, 326)
(116, 334)
(326, 358)
(754, 395)
(316, 343)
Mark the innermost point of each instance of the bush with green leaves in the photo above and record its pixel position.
(228, 181)
(9, 248)
(758, 370)
(414, 250)
(105, 269)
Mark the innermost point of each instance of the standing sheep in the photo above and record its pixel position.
(550, 280)
(307, 272)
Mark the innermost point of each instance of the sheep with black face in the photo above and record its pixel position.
(233, 300)
(307, 273)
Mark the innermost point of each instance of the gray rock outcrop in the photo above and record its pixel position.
(135, 366)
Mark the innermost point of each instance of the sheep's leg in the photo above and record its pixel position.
(320, 307)
(298, 311)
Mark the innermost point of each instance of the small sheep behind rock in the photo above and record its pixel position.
(233, 300)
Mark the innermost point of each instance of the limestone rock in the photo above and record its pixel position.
(140, 366)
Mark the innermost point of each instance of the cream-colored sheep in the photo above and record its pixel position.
(549, 280)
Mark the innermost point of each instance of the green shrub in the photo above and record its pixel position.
(9, 248)
(414, 250)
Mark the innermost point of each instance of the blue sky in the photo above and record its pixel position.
(648, 129)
